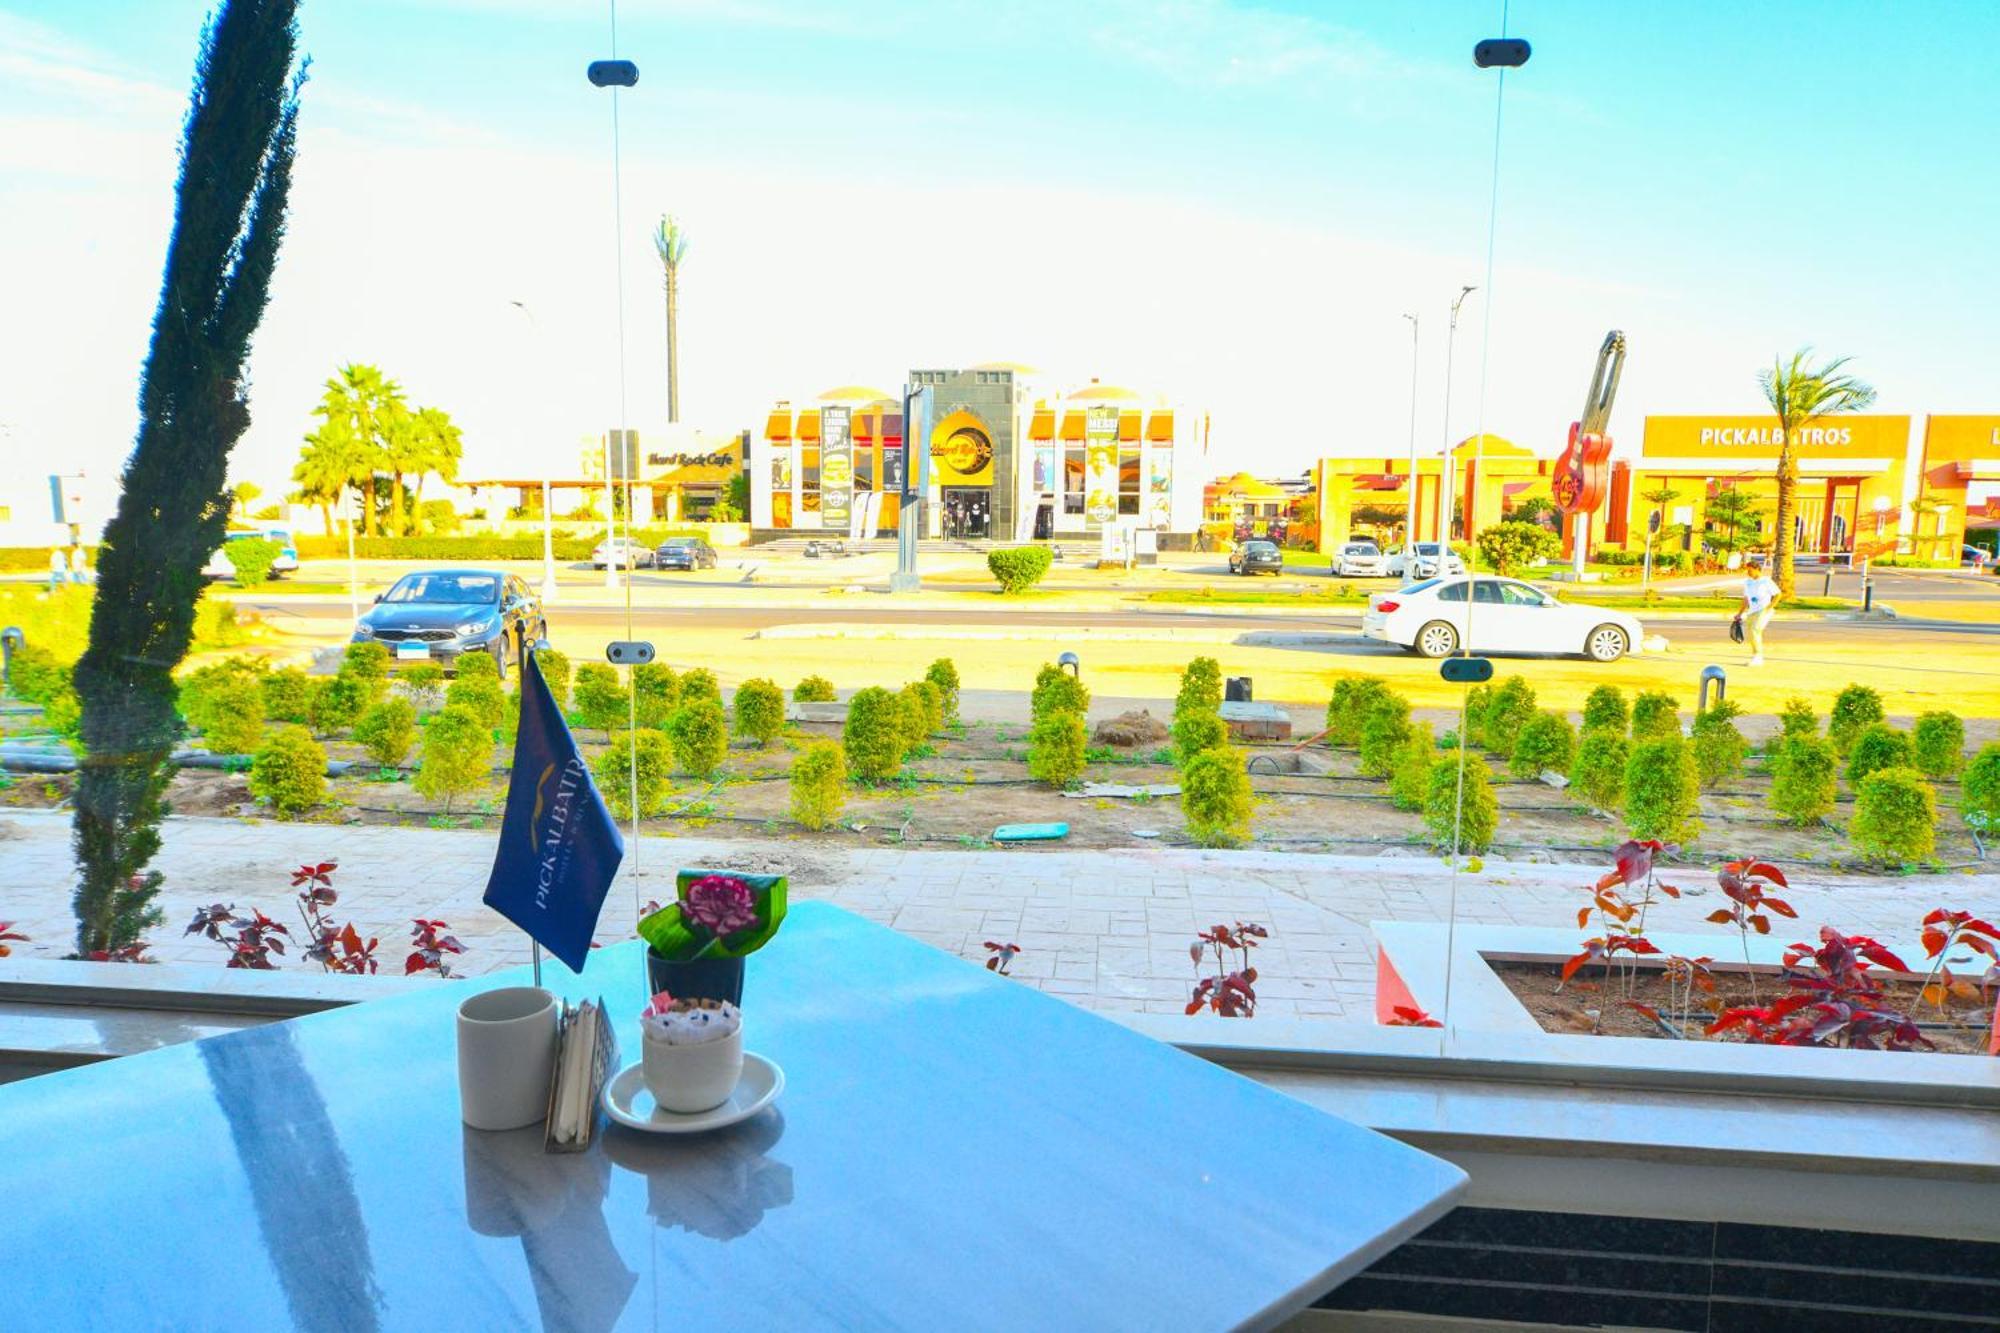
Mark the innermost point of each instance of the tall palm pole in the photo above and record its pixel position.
(671, 244)
(1410, 519)
(1801, 394)
(1444, 470)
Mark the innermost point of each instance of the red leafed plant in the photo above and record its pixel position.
(1410, 1016)
(251, 940)
(1621, 918)
(7, 933)
(1944, 931)
(1228, 993)
(134, 952)
(1834, 1000)
(1000, 957)
(335, 948)
(1746, 883)
(430, 948)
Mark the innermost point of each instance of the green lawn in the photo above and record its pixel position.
(1341, 594)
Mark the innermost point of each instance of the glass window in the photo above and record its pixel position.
(1128, 481)
(1454, 593)
(454, 588)
(1073, 478)
(1520, 594)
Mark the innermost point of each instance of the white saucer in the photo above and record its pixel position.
(627, 1100)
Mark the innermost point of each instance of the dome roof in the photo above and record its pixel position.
(1104, 393)
(853, 393)
(1014, 366)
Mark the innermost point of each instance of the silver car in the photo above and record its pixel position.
(1360, 560)
(1424, 560)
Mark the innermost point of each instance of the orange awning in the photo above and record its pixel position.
(1161, 428)
(809, 424)
(779, 426)
(1072, 427)
(1043, 427)
(1128, 425)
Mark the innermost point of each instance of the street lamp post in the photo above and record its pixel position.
(1410, 518)
(1444, 467)
(548, 520)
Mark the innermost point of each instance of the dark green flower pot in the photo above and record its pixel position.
(702, 979)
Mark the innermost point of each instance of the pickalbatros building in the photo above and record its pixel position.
(1014, 456)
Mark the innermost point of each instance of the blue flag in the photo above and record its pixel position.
(559, 847)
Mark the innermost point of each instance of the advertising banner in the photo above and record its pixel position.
(1100, 464)
(1160, 507)
(836, 467)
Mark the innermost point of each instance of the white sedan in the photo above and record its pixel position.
(1359, 560)
(622, 552)
(1423, 561)
(1440, 616)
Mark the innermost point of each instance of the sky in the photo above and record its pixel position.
(1232, 204)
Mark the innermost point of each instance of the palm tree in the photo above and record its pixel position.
(328, 465)
(1799, 395)
(365, 402)
(401, 437)
(671, 243)
(437, 449)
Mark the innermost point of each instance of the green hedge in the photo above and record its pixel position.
(568, 546)
(1018, 568)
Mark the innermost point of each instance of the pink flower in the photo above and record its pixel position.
(723, 904)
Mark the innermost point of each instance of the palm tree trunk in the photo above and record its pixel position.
(368, 506)
(398, 516)
(673, 346)
(325, 516)
(1781, 546)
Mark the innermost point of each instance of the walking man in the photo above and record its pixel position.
(1760, 599)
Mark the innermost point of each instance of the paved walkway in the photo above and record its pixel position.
(1108, 930)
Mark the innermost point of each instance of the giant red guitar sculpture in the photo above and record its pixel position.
(1582, 475)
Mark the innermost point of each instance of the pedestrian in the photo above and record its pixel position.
(1760, 600)
(79, 572)
(58, 569)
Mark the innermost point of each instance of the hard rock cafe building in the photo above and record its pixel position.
(1013, 457)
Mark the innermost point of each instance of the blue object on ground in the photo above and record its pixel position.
(1030, 832)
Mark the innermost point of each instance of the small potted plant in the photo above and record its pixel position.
(691, 1052)
(697, 943)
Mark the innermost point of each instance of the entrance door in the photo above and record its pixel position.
(1843, 514)
(965, 511)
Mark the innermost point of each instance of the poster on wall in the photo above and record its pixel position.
(836, 467)
(1045, 469)
(1160, 507)
(1100, 464)
(892, 468)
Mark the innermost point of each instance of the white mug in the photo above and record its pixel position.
(506, 1057)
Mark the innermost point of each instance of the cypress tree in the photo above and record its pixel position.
(237, 145)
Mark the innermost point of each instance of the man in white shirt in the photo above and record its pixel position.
(1760, 599)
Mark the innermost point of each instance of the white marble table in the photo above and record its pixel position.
(952, 1150)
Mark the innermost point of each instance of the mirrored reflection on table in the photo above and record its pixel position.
(716, 1185)
(554, 1203)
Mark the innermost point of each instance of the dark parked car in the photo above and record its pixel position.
(441, 614)
(684, 553)
(1256, 557)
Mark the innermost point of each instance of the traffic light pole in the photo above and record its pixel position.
(917, 410)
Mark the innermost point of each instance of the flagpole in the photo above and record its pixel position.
(536, 945)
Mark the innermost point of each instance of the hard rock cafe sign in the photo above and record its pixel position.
(1582, 475)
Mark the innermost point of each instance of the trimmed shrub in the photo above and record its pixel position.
(760, 710)
(1805, 780)
(35, 674)
(1979, 789)
(370, 661)
(62, 713)
(482, 697)
(234, 716)
(699, 683)
(1196, 733)
(814, 690)
(1878, 746)
(1597, 774)
(1512, 545)
(1855, 709)
(1511, 707)
(1056, 691)
(1663, 791)
(1547, 743)
(1606, 707)
(1055, 749)
(197, 690)
(1201, 687)
(1349, 706)
(424, 683)
(457, 755)
(1655, 716)
(1018, 568)
(1895, 816)
(613, 771)
(1478, 699)
(1798, 719)
(1937, 745)
(251, 558)
(1467, 827)
(288, 695)
(289, 771)
(387, 731)
(1215, 798)
(477, 665)
(925, 705)
(556, 671)
(819, 784)
(943, 673)
(338, 703)
(700, 736)
(598, 699)
(875, 735)
(658, 693)
(1410, 768)
(1385, 728)
(1719, 748)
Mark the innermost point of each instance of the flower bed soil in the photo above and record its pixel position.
(1963, 1029)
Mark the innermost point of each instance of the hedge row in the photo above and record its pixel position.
(568, 546)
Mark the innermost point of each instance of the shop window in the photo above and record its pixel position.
(864, 468)
(1073, 479)
(1128, 481)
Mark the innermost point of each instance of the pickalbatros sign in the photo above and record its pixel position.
(1861, 436)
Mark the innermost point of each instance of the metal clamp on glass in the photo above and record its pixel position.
(1466, 670)
(637, 652)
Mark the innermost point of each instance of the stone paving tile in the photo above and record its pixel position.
(1106, 932)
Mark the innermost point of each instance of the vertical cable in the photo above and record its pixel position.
(610, 483)
(1444, 557)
